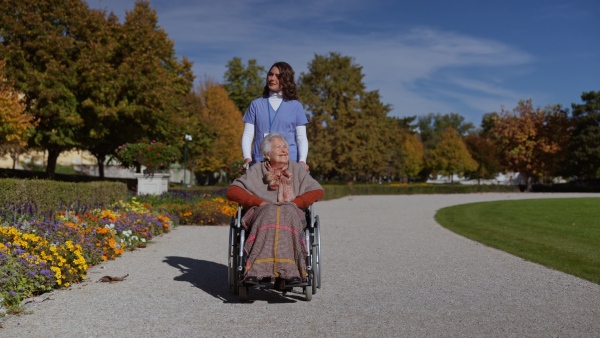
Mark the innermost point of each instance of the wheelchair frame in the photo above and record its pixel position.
(236, 261)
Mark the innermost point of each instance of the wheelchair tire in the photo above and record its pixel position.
(317, 257)
(308, 293)
(230, 265)
(243, 292)
(315, 270)
(236, 276)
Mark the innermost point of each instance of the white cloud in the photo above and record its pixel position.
(409, 66)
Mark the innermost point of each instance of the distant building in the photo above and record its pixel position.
(82, 162)
(500, 179)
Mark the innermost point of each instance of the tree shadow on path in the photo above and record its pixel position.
(211, 277)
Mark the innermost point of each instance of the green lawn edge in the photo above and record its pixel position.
(561, 233)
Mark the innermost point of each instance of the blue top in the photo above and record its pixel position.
(284, 120)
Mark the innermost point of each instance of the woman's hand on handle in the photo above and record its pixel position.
(246, 164)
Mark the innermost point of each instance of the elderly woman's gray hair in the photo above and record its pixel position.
(265, 145)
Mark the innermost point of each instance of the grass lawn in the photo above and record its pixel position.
(563, 234)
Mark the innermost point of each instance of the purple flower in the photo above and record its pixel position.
(11, 293)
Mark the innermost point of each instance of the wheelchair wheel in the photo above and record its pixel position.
(315, 270)
(236, 276)
(230, 263)
(317, 256)
(233, 275)
(243, 292)
(308, 293)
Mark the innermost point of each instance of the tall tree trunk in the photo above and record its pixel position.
(14, 155)
(15, 158)
(100, 158)
(529, 183)
(51, 165)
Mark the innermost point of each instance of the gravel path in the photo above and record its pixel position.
(388, 270)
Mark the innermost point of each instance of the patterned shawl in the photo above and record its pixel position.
(280, 179)
(255, 181)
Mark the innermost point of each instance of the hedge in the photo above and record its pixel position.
(46, 196)
(41, 175)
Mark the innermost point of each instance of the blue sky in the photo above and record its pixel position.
(466, 57)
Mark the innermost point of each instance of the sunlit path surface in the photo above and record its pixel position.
(388, 270)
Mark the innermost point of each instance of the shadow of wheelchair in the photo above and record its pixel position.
(211, 278)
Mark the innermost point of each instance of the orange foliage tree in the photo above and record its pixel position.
(451, 155)
(483, 150)
(531, 140)
(223, 121)
(15, 122)
(412, 155)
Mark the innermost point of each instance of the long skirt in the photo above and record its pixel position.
(275, 245)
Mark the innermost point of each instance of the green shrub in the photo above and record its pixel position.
(46, 196)
(41, 175)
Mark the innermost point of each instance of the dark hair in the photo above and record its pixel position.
(286, 80)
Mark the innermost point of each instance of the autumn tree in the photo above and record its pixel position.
(451, 156)
(153, 80)
(370, 156)
(41, 44)
(15, 122)
(132, 85)
(411, 155)
(483, 150)
(244, 84)
(346, 139)
(223, 121)
(99, 87)
(404, 150)
(432, 126)
(584, 150)
(529, 139)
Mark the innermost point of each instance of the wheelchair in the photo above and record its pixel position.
(237, 263)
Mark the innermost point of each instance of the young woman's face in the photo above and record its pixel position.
(273, 80)
(279, 154)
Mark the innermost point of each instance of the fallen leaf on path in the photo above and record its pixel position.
(112, 280)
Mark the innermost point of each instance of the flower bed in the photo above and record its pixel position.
(38, 255)
(193, 208)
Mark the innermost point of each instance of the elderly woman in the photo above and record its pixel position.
(274, 192)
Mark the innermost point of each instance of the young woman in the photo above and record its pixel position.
(278, 110)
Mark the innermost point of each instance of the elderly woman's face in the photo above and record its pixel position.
(279, 154)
